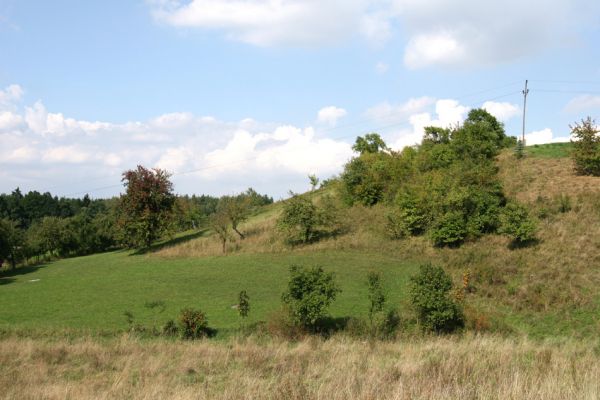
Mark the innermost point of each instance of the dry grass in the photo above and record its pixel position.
(436, 368)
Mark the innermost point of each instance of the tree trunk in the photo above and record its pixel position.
(224, 243)
(239, 233)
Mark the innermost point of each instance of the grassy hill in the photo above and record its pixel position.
(546, 289)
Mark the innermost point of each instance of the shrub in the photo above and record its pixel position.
(450, 229)
(376, 296)
(243, 305)
(430, 295)
(586, 149)
(299, 220)
(309, 293)
(193, 324)
(516, 223)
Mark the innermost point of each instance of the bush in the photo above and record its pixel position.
(299, 220)
(430, 295)
(309, 293)
(586, 149)
(376, 296)
(170, 328)
(450, 229)
(193, 324)
(516, 223)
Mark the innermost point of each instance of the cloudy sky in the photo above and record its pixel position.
(228, 94)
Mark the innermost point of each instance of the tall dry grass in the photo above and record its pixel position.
(475, 367)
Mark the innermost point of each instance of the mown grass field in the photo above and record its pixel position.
(92, 293)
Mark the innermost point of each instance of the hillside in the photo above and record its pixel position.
(545, 289)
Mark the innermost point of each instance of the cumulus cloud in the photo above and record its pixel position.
(330, 115)
(40, 149)
(503, 111)
(277, 22)
(586, 102)
(437, 32)
(544, 136)
(386, 113)
(9, 96)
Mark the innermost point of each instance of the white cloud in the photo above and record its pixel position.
(66, 154)
(330, 115)
(582, 103)
(503, 111)
(9, 121)
(276, 22)
(437, 32)
(9, 96)
(386, 113)
(544, 136)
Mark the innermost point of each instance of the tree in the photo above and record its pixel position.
(235, 209)
(586, 149)
(314, 182)
(219, 222)
(299, 219)
(146, 208)
(310, 291)
(371, 143)
(11, 241)
(516, 223)
(430, 295)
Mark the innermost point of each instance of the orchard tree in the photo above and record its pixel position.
(219, 222)
(235, 209)
(146, 208)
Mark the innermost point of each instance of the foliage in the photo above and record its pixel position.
(364, 179)
(235, 209)
(310, 291)
(516, 223)
(193, 324)
(11, 242)
(376, 296)
(219, 222)
(146, 208)
(371, 143)
(170, 328)
(314, 181)
(450, 229)
(407, 217)
(243, 305)
(430, 295)
(520, 149)
(299, 219)
(586, 147)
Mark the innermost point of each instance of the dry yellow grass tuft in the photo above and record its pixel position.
(473, 367)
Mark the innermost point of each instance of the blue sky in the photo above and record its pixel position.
(261, 93)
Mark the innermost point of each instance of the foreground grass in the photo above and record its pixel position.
(436, 368)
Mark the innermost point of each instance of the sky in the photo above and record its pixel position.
(231, 94)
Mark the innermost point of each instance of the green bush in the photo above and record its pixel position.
(586, 149)
(407, 218)
(299, 220)
(310, 291)
(193, 324)
(170, 328)
(430, 295)
(450, 229)
(516, 223)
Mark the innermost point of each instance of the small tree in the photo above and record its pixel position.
(586, 149)
(430, 295)
(193, 324)
(520, 149)
(146, 208)
(219, 222)
(11, 242)
(299, 219)
(309, 293)
(243, 305)
(314, 182)
(376, 296)
(236, 209)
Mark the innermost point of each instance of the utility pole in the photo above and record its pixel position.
(525, 92)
